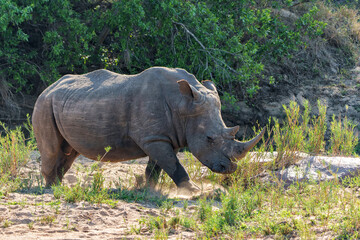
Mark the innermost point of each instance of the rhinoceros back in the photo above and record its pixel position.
(102, 108)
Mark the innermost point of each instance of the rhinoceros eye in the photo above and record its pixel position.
(210, 139)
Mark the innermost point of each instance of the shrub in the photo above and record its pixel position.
(343, 140)
(237, 44)
(299, 134)
(289, 139)
(316, 132)
(14, 151)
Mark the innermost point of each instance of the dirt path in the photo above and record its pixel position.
(43, 217)
(30, 216)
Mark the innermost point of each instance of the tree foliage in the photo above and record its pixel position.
(227, 41)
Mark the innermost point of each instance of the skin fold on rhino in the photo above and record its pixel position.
(153, 113)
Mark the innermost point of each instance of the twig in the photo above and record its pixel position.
(222, 62)
(204, 48)
(297, 3)
(191, 34)
(224, 51)
(13, 119)
(26, 105)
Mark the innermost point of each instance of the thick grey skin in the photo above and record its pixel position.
(154, 113)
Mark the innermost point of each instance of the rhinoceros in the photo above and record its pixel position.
(154, 113)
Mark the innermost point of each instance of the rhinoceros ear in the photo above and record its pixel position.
(209, 85)
(188, 91)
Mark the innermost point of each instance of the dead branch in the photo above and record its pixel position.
(206, 49)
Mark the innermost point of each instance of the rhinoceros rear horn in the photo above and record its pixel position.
(189, 91)
(230, 132)
(244, 147)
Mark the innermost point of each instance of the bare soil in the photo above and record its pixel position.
(41, 216)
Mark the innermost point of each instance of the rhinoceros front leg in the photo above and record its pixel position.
(163, 155)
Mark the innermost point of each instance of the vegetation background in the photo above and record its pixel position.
(241, 45)
(250, 49)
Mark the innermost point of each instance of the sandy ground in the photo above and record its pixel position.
(42, 216)
(27, 215)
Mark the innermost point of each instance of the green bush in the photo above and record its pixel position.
(231, 42)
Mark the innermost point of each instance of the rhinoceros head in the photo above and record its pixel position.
(207, 136)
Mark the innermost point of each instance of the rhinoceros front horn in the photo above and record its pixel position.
(244, 147)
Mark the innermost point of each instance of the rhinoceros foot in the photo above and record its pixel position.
(188, 188)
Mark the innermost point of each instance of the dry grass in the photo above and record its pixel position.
(322, 56)
(343, 27)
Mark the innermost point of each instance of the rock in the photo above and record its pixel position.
(273, 108)
(356, 70)
(71, 179)
(285, 14)
(319, 168)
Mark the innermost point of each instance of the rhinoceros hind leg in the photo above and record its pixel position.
(65, 163)
(56, 154)
(152, 172)
(54, 167)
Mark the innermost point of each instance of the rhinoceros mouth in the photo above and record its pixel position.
(224, 167)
